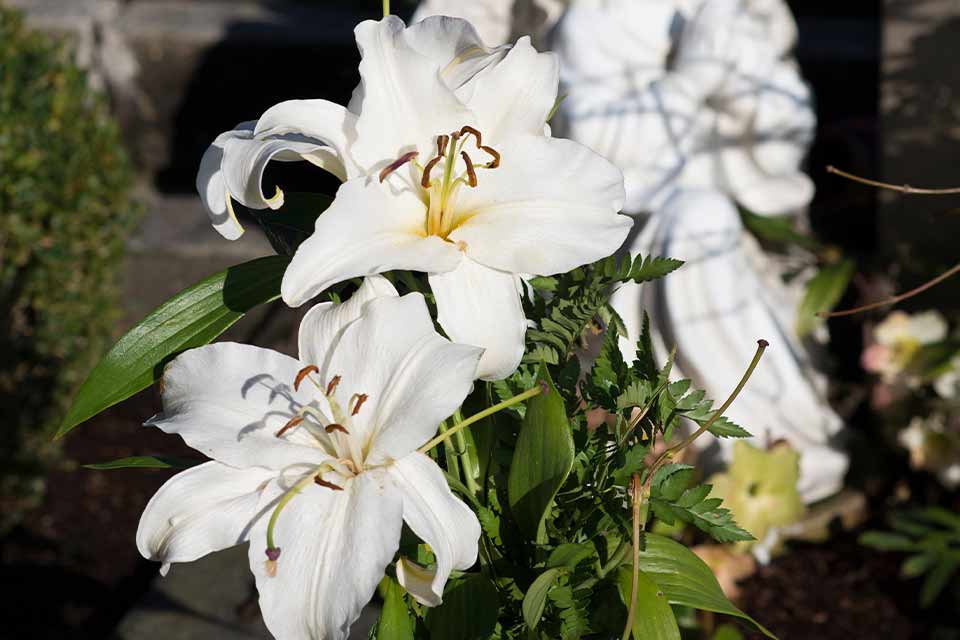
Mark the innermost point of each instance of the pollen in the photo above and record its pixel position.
(336, 427)
(332, 385)
(303, 373)
(360, 399)
(396, 164)
(328, 485)
(294, 421)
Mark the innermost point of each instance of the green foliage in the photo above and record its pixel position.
(65, 216)
(396, 622)
(823, 292)
(468, 612)
(931, 538)
(144, 462)
(654, 618)
(192, 318)
(671, 500)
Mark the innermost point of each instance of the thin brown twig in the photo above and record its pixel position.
(893, 300)
(905, 188)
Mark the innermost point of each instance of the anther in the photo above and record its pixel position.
(330, 428)
(425, 180)
(294, 421)
(303, 374)
(493, 164)
(396, 164)
(471, 172)
(442, 142)
(360, 398)
(468, 130)
(329, 485)
(332, 385)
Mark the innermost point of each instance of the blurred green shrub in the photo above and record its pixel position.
(65, 214)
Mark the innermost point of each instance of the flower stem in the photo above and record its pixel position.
(638, 492)
(386, 8)
(460, 426)
(659, 462)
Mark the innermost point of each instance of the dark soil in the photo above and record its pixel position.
(835, 590)
(71, 569)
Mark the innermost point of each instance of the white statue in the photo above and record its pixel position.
(702, 107)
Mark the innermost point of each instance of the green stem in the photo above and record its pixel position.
(468, 457)
(616, 559)
(287, 497)
(638, 501)
(453, 464)
(489, 411)
(386, 8)
(666, 455)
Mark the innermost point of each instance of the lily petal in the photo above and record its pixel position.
(481, 306)
(403, 100)
(370, 228)
(550, 207)
(439, 518)
(516, 96)
(198, 511)
(412, 377)
(334, 549)
(320, 329)
(228, 400)
(213, 188)
(317, 120)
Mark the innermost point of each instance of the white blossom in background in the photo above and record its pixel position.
(315, 461)
(498, 21)
(449, 169)
(934, 446)
(898, 338)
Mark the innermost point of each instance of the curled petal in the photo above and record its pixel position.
(198, 511)
(440, 519)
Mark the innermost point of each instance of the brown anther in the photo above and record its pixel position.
(361, 398)
(330, 428)
(468, 130)
(294, 421)
(329, 485)
(425, 180)
(442, 142)
(332, 385)
(303, 373)
(493, 153)
(396, 164)
(471, 172)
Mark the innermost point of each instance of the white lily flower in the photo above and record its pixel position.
(315, 461)
(450, 172)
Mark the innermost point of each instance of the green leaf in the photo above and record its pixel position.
(654, 619)
(469, 611)
(686, 580)
(777, 230)
(652, 268)
(144, 462)
(542, 459)
(885, 541)
(536, 598)
(570, 554)
(396, 622)
(937, 579)
(823, 293)
(192, 318)
(727, 632)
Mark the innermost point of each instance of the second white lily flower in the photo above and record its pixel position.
(315, 461)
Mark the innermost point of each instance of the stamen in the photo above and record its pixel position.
(468, 130)
(294, 421)
(303, 374)
(329, 485)
(330, 428)
(425, 180)
(493, 164)
(360, 398)
(273, 554)
(471, 172)
(396, 164)
(332, 386)
(442, 142)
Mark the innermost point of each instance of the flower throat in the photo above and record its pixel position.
(441, 192)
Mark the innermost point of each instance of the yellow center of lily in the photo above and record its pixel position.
(440, 193)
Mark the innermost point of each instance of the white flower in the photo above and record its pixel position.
(947, 384)
(320, 460)
(450, 171)
(898, 339)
